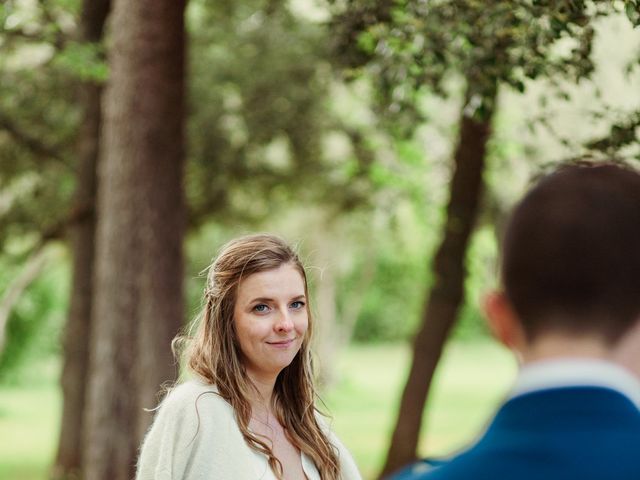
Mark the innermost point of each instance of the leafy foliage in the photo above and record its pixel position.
(265, 111)
(260, 115)
(259, 118)
(622, 134)
(38, 119)
(412, 46)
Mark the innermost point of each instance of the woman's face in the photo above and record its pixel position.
(271, 320)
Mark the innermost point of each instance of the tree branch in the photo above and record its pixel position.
(13, 293)
(30, 142)
(58, 229)
(21, 34)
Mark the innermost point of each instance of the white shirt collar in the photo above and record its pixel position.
(574, 372)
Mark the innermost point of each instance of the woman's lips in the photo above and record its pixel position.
(282, 343)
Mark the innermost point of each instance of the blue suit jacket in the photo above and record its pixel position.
(571, 433)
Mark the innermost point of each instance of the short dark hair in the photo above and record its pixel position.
(571, 252)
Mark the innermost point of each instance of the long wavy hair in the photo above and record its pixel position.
(214, 355)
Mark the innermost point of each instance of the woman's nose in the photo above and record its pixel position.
(284, 323)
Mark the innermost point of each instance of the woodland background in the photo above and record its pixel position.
(387, 139)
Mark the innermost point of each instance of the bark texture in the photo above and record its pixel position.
(139, 266)
(81, 242)
(449, 272)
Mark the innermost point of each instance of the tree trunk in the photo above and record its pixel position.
(81, 241)
(449, 271)
(138, 295)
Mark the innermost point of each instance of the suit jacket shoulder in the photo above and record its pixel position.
(586, 433)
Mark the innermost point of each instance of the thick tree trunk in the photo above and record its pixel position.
(138, 282)
(447, 293)
(81, 242)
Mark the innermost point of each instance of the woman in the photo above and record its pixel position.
(250, 413)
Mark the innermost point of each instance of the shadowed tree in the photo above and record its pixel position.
(81, 241)
(138, 304)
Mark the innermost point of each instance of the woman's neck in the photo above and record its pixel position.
(260, 398)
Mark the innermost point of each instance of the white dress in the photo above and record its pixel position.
(194, 436)
(264, 472)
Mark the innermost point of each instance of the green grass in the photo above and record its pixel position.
(29, 422)
(469, 384)
(471, 381)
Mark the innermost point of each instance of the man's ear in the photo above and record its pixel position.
(503, 321)
(627, 350)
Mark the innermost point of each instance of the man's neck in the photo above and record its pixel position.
(627, 350)
(558, 346)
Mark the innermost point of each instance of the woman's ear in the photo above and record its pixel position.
(503, 321)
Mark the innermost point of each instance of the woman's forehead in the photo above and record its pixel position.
(284, 281)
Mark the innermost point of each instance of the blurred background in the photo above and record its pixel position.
(385, 139)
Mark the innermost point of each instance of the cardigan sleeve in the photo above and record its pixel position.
(348, 468)
(182, 438)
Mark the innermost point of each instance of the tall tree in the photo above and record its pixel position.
(446, 295)
(138, 279)
(417, 47)
(81, 241)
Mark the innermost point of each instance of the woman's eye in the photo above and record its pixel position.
(261, 308)
(297, 305)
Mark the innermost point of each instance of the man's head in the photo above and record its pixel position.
(571, 254)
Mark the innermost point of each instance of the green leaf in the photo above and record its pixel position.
(366, 42)
(632, 9)
(84, 61)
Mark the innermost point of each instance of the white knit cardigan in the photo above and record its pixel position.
(195, 437)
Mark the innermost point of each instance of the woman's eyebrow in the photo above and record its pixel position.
(269, 299)
(261, 299)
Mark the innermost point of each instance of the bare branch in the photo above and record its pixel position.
(57, 230)
(21, 34)
(30, 142)
(13, 293)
